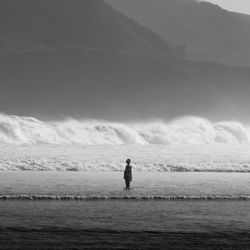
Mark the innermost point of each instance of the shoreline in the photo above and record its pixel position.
(111, 184)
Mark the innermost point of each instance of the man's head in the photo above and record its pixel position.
(128, 161)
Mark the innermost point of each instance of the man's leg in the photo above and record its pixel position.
(127, 183)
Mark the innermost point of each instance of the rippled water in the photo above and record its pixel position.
(123, 223)
(112, 183)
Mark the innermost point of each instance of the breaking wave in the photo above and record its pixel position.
(128, 197)
(186, 130)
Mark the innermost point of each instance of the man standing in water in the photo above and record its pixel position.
(128, 173)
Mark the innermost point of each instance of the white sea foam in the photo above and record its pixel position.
(186, 130)
(160, 158)
(185, 144)
(71, 197)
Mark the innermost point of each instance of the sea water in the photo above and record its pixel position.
(92, 210)
(153, 158)
(110, 185)
(61, 184)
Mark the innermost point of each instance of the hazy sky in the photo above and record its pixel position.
(242, 6)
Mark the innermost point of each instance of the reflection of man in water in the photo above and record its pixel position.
(128, 173)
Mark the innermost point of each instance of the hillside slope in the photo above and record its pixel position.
(90, 61)
(209, 32)
(34, 24)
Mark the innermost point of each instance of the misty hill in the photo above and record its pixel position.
(33, 24)
(82, 58)
(209, 32)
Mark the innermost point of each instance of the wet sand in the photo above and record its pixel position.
(54, 238)
(124, 223)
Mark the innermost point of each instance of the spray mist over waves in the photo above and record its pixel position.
(186, 130)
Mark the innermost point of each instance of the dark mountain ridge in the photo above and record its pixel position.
(209, 32)
(111, 68)
(85, 23)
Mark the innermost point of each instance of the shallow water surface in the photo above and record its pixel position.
(123, 223)
(112, 183)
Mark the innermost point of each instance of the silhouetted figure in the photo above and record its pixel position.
(128, 173)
